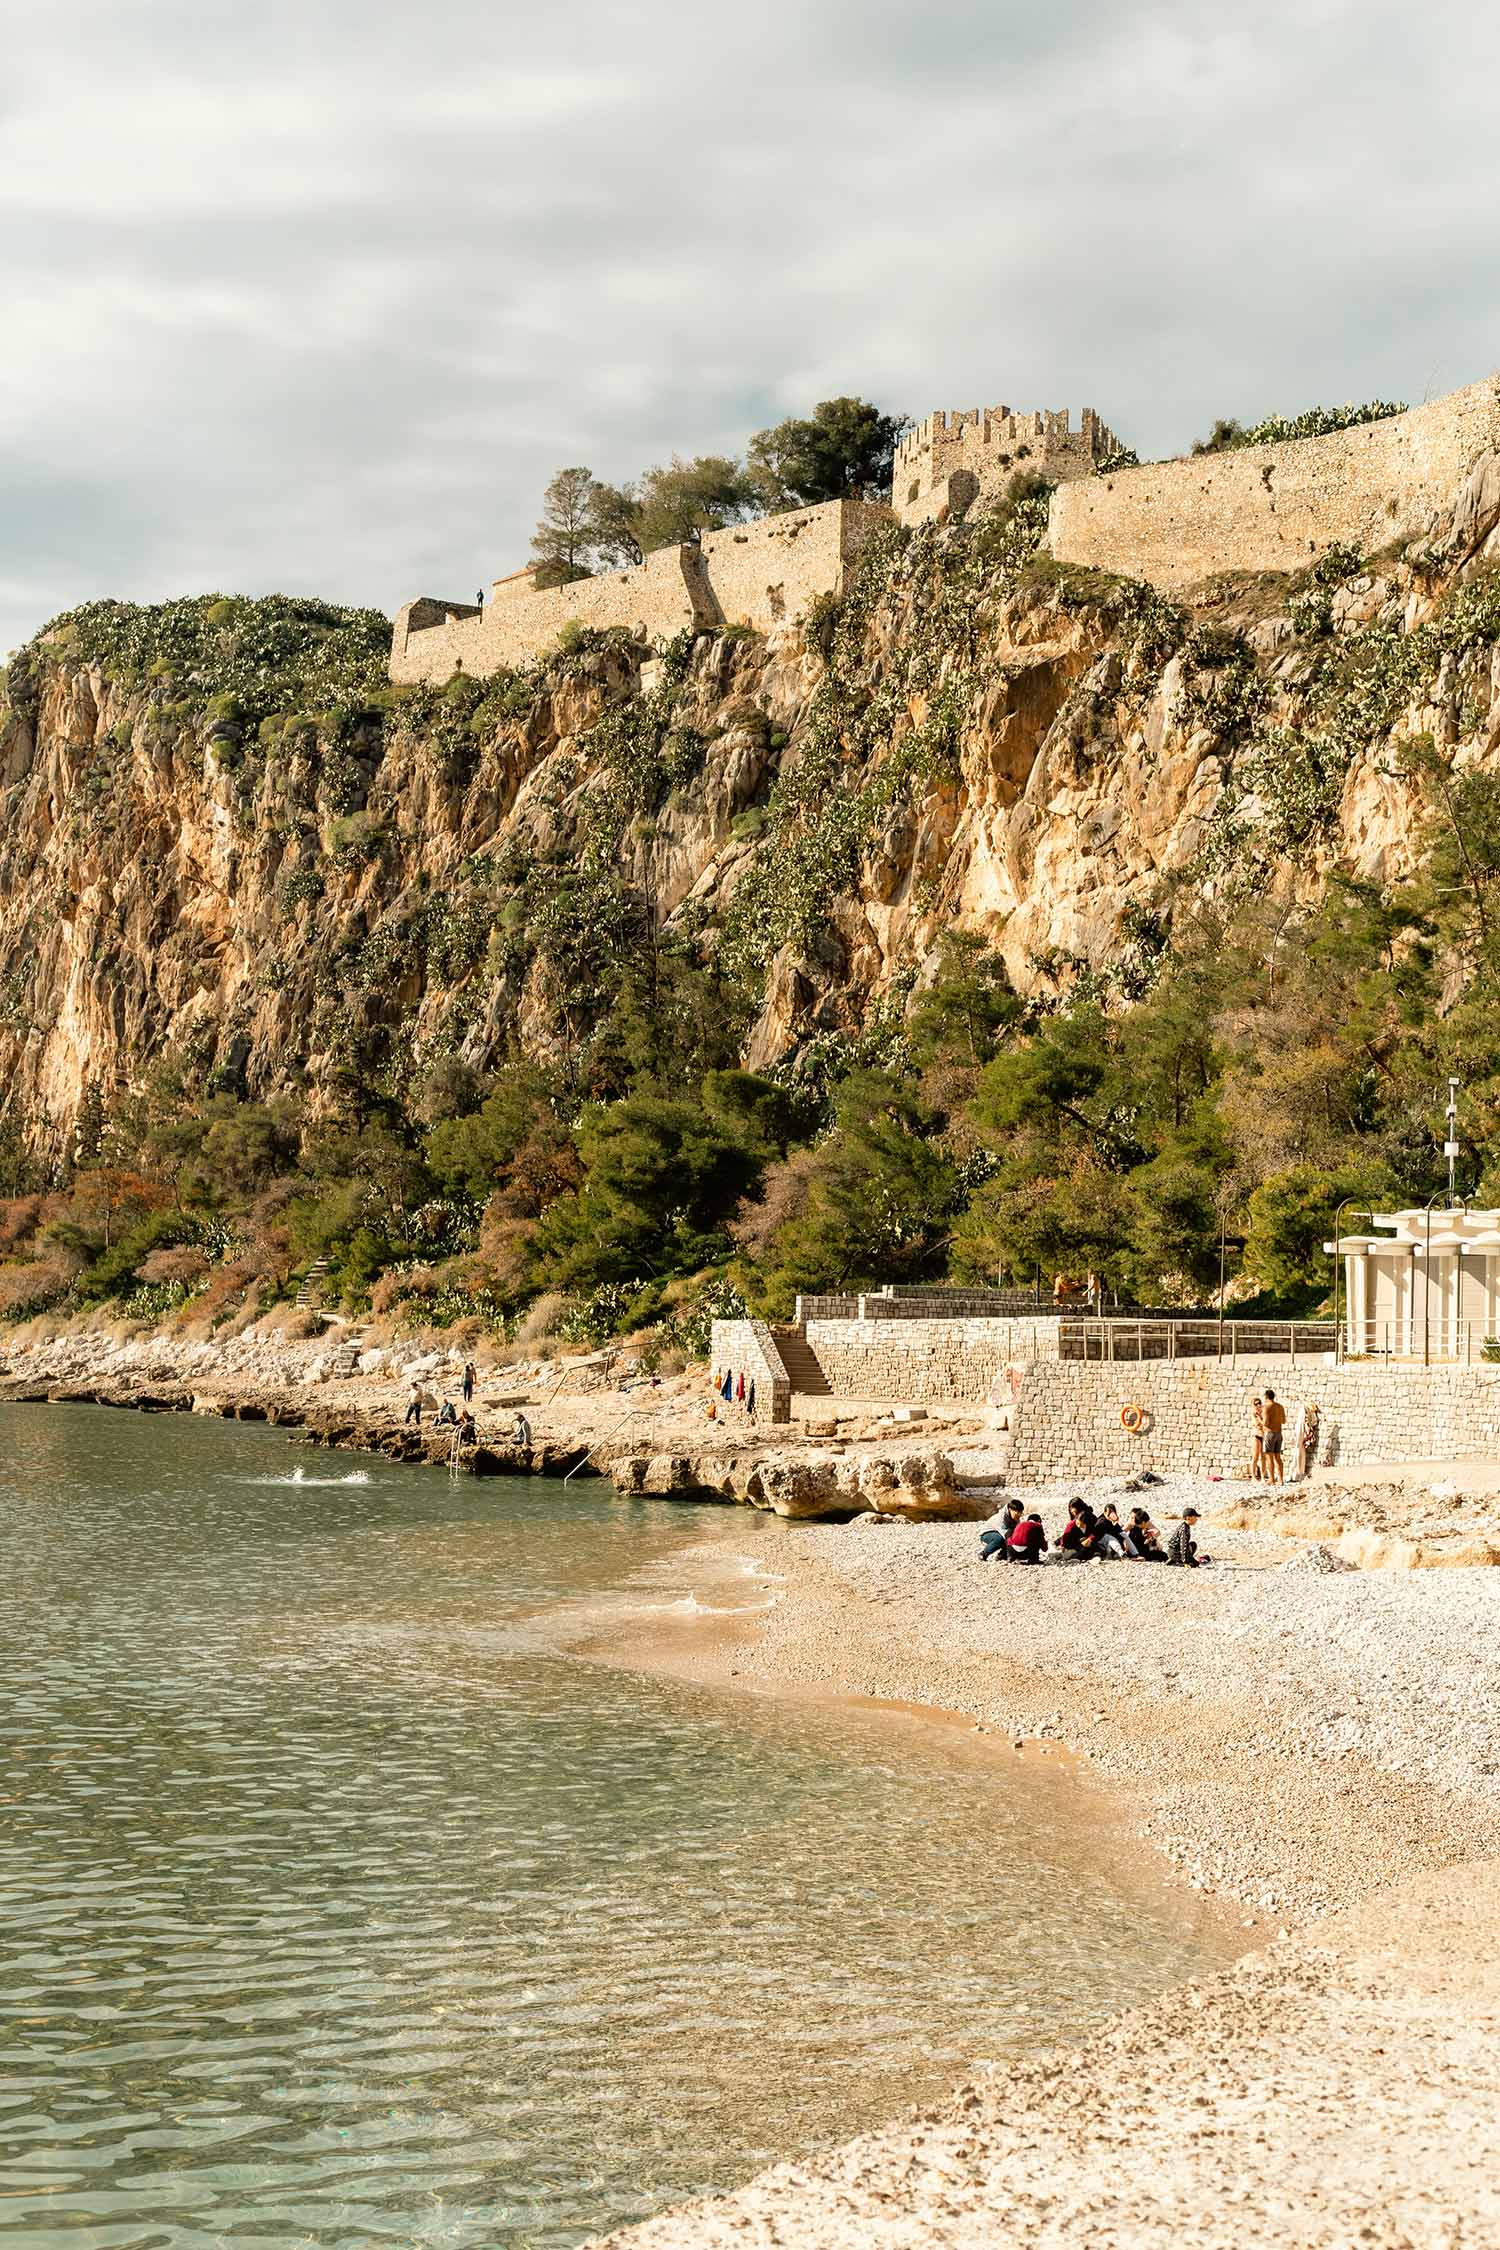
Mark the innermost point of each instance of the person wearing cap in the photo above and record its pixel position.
(1183, 1549)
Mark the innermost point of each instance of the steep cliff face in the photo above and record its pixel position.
(309, 884)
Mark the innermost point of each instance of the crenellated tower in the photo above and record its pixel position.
(950, 460)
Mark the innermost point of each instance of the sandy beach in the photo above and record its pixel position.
(1318, 1746)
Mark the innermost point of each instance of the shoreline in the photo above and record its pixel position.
(1354, 1826)
(1313, 1748)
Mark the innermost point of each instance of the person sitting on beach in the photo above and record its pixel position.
(1028, 1541)
(521, 1434)
(1113, 1544)
(1183, 1549)
(468, 1433)
(1139, 1517)
(995, 1538)
(1080, 1539)
(1148, 1546)
(447, 1415)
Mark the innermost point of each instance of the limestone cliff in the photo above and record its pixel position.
(308, 885)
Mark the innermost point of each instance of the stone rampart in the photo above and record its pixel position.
(758, 574)
(658, 598)
(1066, 1419)
(1278, 507)
(952, 460)
(912, 1361)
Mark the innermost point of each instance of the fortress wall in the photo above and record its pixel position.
(656, 598)
(757, 574)
(764, 573)
(1277, 507)
(988, 446)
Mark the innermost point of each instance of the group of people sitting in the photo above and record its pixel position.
(1020, 1537)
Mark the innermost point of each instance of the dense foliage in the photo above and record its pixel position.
(1267, 1037)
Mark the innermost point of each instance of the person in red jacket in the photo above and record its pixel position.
(1028, 1541)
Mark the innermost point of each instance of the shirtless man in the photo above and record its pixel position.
(1274, 1414)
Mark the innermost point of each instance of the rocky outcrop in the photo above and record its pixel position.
(803, 1482)
(1044, 757)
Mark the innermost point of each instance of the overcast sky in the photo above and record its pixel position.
(313, 295)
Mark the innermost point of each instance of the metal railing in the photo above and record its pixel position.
(1159, 1338)
(1437, 1337)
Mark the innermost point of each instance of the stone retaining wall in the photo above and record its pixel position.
(912, 1361)
(1066, 1421)
(747, 1347)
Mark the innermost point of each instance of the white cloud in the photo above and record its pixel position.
(316, 296)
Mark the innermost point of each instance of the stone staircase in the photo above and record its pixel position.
(344, 1358)
(801, 1363)
(311, 1280)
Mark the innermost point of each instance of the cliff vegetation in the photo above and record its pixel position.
(1003, 919)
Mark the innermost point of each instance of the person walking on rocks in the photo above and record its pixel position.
(414, 1405)
(1274, 1415)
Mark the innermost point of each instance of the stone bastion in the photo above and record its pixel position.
(1172, 523)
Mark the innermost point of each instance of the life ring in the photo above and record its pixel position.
(1132, 1418)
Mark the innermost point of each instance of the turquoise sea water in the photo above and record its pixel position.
(342, 1905)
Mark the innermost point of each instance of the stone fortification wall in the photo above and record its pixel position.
(1066, 1420)
(747, 1347)
(952, 460)
(762, 574)
(1277, 507)
(912, 1361)
(658, 598)
(759, 574)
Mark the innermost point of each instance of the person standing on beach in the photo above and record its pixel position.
(1258, 1455)
(1308, 1432)
(414, 1405)
(469, 1380)
(1274, 1416)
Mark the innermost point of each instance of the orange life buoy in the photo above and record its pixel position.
(1132, 1418)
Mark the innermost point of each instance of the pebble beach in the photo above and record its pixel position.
(1317, 1745)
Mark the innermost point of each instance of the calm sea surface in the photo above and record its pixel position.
(340, 1904)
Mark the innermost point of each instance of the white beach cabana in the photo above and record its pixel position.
(1427, 1287)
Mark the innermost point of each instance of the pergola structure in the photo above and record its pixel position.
(1425, 1288)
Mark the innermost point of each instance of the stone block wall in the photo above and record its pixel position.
(954, 460)
(1277, 507)
(1066, 1420)
(913, 1361)
(747, 1347)
(764, 574)
(658, 598)
(758, 574)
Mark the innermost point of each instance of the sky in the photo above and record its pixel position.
(314, 297)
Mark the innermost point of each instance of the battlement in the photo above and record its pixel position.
(956, 457)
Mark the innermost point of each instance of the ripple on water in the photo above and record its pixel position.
(343, 1908)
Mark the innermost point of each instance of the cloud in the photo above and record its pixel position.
(315, 297)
